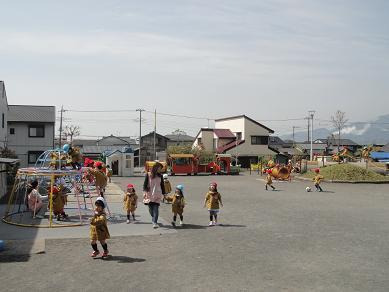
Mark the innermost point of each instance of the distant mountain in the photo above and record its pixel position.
(375, 132)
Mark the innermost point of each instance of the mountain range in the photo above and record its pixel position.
(373, 132)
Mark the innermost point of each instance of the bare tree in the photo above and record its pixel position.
(339, 121)
(71, 131)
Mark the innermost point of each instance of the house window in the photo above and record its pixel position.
(128, 161)
(239, 136)
(36, 131)
(3, 120)
(259, 140)
(33, 156)
(12, 131)
(199, 141)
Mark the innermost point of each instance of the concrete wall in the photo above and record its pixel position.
(21, 143)
(3, 111)
(235, 125)
(206, 140)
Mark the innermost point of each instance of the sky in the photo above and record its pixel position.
(268, 59)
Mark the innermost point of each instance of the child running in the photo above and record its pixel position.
(99, 229)
(269, 180)
(212, 201)
(130, 202)
(317, 179)
(178, 205)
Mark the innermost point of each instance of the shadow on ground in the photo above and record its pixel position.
(123, 259)
(14, 258)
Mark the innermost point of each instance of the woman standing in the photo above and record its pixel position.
(154, 189)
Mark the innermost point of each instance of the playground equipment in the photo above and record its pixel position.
(343, 155)
(281, 172)
(55, 178)
(189, 164)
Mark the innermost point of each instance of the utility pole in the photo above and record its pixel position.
(308, 118)
(155, 133)
(60, 127)
(140, 134)
(294, 142)
(311, 114)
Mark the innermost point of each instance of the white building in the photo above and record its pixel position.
(4, 115)
(121, 162)
(239, 136)
(30, 131)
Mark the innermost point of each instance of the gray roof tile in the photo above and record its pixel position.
(31, 113)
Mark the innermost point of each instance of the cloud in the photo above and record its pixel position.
(353, 130)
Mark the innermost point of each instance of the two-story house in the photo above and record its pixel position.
(4, 115)
(147, 151)
(30, 131)
(239, 136)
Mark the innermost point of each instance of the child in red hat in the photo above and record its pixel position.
(212, 201)
(269, 180)
(317, 180)
(130, 202)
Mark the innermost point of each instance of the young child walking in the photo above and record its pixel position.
(178, 205)
(168, 187)
(130, 202)
(269, 180)
(213, 201)
(317, 180)
(99, 229)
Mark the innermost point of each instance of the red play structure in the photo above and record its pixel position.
(189, 164)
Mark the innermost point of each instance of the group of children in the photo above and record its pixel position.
(98, 223)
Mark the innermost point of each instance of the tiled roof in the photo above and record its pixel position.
(181, 138)
(223, 133)
(229, 146)
(99, 149)
(31, 113)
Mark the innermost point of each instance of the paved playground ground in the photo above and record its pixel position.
(284, 240)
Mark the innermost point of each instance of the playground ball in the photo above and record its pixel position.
(66, 148)
(308, 189)
(2, 245)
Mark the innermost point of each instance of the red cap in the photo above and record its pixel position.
(130, 186)
(98, 164)
(213, 184)
(317, 170)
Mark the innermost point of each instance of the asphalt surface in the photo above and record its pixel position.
(284, 240)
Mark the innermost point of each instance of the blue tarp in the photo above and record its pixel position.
(380, 156)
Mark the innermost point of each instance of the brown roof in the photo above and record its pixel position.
(223, 133)
(229, 146)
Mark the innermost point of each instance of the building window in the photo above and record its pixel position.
(199, 141)
(3, 121)
(128, 161)
(36, 131)
(259, 140)
(12, 131)
(33, 156)
(239, 136)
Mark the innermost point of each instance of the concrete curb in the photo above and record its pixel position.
(344, 181)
